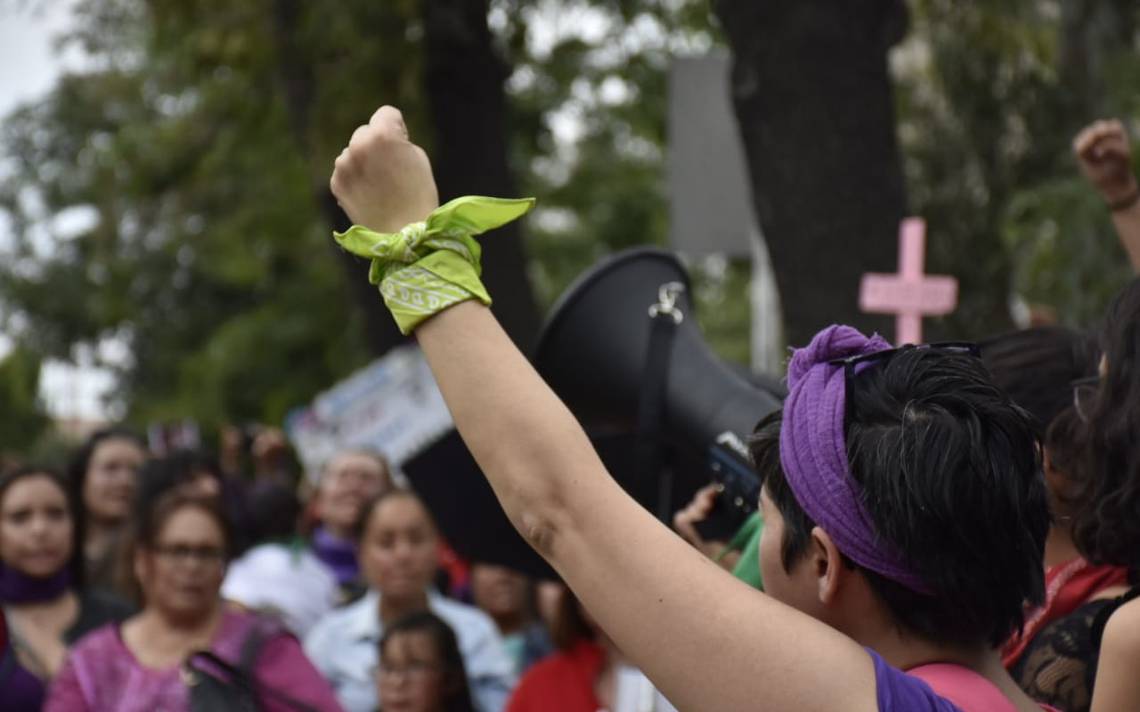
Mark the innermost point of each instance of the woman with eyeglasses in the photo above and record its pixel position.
(905, 512)
(1096, 649)
(46, 608)
(151, 661)
(1044, 370)
(421, 668)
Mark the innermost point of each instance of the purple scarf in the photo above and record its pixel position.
(17, 587)
(337, 554)
(813, 452)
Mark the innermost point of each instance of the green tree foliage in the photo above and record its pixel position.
(991, 95)
(24, 420)
(167, 194)
(589, 92)
(188, 151)
(199, 242)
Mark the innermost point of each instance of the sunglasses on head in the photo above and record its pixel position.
(851, 363)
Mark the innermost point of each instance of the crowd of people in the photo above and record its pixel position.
(139, 582)
(942, 527)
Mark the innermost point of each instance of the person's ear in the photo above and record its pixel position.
(827, 565)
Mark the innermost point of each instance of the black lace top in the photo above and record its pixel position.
(1059, 664)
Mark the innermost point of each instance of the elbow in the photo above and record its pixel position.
(540, 532)
(542, 517)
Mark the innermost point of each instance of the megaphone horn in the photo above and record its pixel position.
(599, 345)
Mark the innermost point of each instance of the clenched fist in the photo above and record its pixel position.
(383, 180)
(1106, 160)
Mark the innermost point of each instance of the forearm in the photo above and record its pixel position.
(1127, 223)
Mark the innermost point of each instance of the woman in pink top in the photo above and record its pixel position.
(179, 563)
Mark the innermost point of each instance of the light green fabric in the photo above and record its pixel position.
(432, 265)
(747, 542)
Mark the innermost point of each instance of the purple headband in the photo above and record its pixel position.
(813, 452)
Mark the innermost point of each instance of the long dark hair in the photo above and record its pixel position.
(81, 460)
(1106, 526)
(457, 693)
(75, 562)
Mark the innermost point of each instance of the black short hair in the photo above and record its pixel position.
(160, 475)
(949, 473)
(1106, 526)
(274, 512)
(358, 529)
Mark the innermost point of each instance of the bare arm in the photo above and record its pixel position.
(1127, 224)
(708, 641)
(1105, 156)
(1117, 685)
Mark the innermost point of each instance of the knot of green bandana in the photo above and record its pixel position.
(429, 266)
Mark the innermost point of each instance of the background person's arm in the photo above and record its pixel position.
(1105, 156)
(708, 641)
(1117, 685)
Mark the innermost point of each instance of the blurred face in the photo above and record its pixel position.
(348, 482)
(183, 573)
(499, 591)
(398, 551)
(1061, 489)
(35, 527)
(548, 597)
(110, 481)
(411, 677)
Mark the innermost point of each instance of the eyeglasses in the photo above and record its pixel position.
(412, 670)
(851, 363)
(1085, 392)
(181, 553)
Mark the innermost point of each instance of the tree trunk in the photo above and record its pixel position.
(814, 103)
(464, 80)
(296, 75)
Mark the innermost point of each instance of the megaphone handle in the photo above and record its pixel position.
(648, 460)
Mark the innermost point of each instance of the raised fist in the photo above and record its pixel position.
(1105, 158)
(383, 180)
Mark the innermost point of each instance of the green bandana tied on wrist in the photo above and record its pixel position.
(432, 265)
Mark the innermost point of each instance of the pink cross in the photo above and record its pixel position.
(910, 294)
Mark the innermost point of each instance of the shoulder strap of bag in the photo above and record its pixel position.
(259, 634)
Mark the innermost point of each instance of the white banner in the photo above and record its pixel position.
(392, 405)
